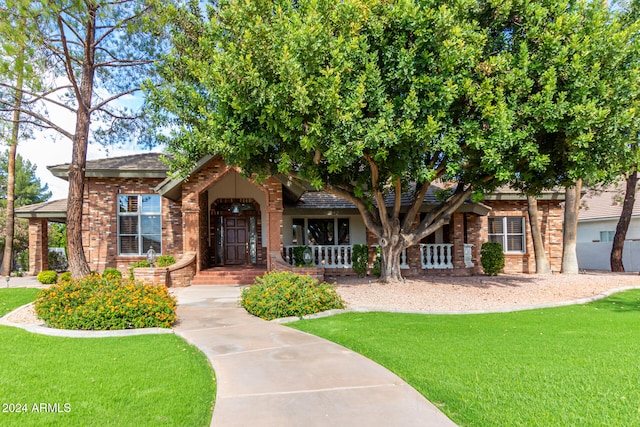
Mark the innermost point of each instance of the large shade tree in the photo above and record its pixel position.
(100, 52)
(366, 100)
(572, 85)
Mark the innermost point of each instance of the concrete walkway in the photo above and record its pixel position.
(271, 375)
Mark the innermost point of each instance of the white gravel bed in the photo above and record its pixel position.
(438, 294)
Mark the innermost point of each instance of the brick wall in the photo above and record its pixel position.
(100, 227)
(193, 217)
(38, 246)
(551, 224)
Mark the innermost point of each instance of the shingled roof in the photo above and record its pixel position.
(145, 165)
(605, 204)
(52, 210)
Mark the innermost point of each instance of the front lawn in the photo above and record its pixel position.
(146, 380)
(12, 298)
(575, 365)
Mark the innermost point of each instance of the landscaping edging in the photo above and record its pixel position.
(43, 329)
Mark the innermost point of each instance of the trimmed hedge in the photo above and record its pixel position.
(283, 294)
(105, 303)
(360, 259)
(47, 277)
(491, 258)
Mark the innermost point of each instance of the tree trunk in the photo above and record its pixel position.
(542, 263)
(623, 222)
(390, 268)
(571, 208)
(77, 261)
(5, 268)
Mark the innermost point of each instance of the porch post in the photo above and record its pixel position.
(274, 221)
(191, 232)
(38, 246)
(457, 238)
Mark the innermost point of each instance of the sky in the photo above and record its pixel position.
(49, 148)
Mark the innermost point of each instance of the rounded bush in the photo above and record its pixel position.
(47, 277)
(165, 261)
(112, 272)
(283, 294)
(105, 303)
(492, 258)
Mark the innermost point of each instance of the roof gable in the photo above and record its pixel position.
(144, 165)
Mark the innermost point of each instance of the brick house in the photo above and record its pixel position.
(224, 228)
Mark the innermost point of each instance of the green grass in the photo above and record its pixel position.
(147, 380)
(568, 366)
(12, 298)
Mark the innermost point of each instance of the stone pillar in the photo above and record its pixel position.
(38, 246)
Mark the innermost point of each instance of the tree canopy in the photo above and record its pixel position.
(29, 189)
(369, 100)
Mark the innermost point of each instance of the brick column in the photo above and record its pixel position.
(457, 238)
(191, 230)
(38, 246)
(274, 220)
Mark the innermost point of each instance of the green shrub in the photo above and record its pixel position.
(376, 269)
(360, 259)
(64, 277)
(47, 277)
(138, 264)
(283, 294)
(23, 260)
(492, 258)
(298, 255)
(104, 303)
(165, 261)
(57, 260)
(112, 272)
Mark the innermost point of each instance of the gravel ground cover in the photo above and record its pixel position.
(444, 294)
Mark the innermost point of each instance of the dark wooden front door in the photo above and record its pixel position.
(236, 231)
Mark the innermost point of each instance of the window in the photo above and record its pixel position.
(509, 232)
(607, 236)
(334, 231)
(139, 224)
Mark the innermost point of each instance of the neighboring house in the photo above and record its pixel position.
(597, 223)
(216, 222)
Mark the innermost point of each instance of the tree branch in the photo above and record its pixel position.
(120, 24)
(67, 60)
(113, 98)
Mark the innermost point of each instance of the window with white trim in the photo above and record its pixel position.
(139, 224)
(509, 232)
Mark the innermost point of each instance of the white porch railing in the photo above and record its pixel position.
(437, 256)
(468, 255)
(433, 256)
(336, 256)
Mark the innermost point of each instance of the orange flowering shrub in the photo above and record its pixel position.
(283, 294)
(104, 303)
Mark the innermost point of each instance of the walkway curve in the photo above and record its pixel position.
(271, 375)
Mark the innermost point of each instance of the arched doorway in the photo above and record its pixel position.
(234, 232)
